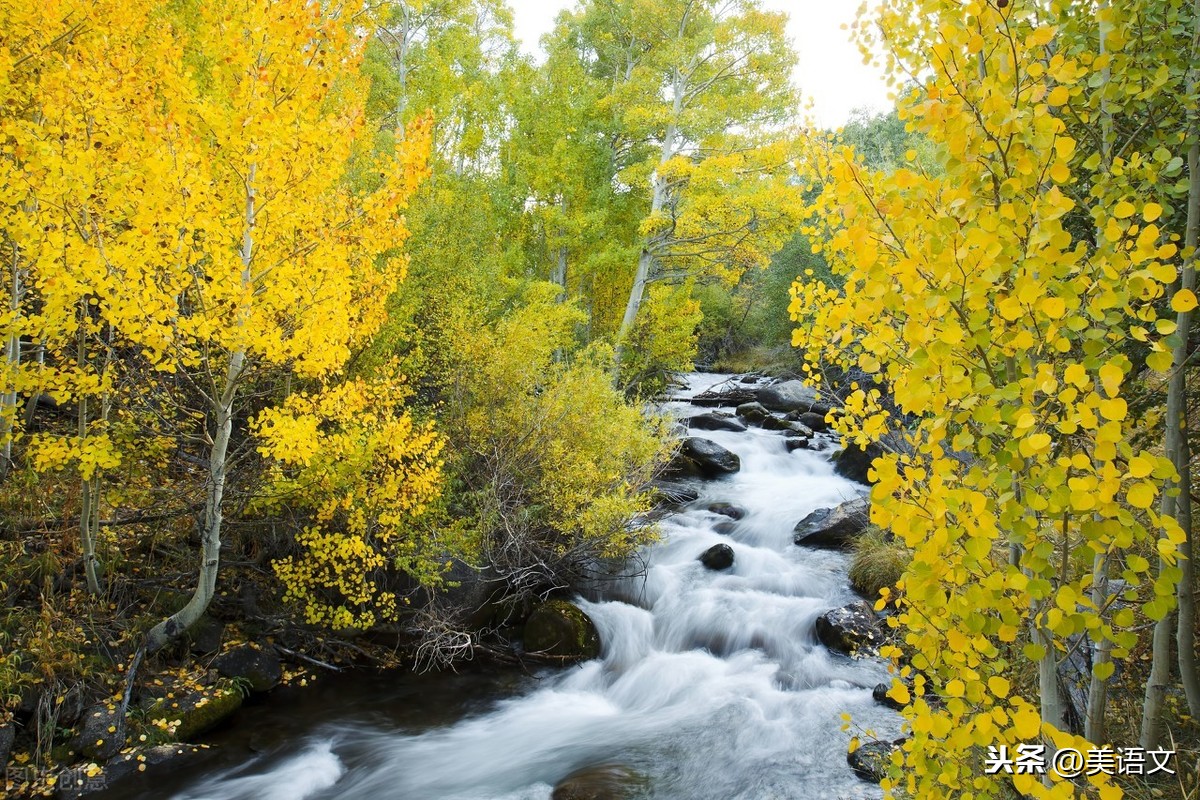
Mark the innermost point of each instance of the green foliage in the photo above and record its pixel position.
(551, 457)
(663, 339)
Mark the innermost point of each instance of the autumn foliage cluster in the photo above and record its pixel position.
(1024, 290)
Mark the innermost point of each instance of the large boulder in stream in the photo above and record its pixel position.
(257, 668)
(561, 629)
(834, 528)
(852, 629)
(606, 782)
(707, 458)
(854, 462)
(717, 557)
(715, 421)
(792, 396)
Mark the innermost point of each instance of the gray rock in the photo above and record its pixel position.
(727, 510)
(8, 732)
(725, 527)
(792, 396)
(871, 760)
(851, 629)
(717, 557)
(716, 422)
(258, 667)
(793, 443)
(102, 734)
(853, 462)
(813, 420)
(676, 493)
(753, 412)
(834, 528)
(708, 458)
(562, 629)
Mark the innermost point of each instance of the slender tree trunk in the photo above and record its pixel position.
(1176, 502)
(1097, 702)
(218, 464)
(1178, 445)
(12, 354)
(559, 275)
(89, 494)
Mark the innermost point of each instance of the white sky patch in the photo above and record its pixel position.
(830, 71)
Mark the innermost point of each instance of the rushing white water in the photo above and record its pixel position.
(711, 684)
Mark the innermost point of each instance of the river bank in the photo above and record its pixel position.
(711, 683)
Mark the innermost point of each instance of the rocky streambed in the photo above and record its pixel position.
(724, 665)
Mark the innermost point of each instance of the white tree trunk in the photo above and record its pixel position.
(1097, 702)
(218, 464)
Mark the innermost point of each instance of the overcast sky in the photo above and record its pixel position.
(830, 73)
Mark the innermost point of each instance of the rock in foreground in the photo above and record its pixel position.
(717, 557)
(851, 629)
(792, 396)
(834, 528)
(558, 628)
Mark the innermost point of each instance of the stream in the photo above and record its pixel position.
(711, 684)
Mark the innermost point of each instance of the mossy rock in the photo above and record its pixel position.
(558, 628)
(102, 733)
(606, 782)
(198, 712)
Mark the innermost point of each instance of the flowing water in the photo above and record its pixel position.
(711, 684)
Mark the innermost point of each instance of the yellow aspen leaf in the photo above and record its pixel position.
(1140, 466)
(1114, 408)
(1123, 210)
(1183, 300)
(1151, 211)
(1058, 96)
(999, 686)
(1027, 723)
(1141, 495)
(1159, 361)
(1110, 378)
(1054, 307)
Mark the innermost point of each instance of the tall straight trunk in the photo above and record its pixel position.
(559, 275)
(658, 201)
(89, 505)
(218, 464)
(12, 354)
(1178, 446)
(1097, 700)
(1176, 502)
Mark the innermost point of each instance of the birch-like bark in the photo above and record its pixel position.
(1097, 701)
(218, 465)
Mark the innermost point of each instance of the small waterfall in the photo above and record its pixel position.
(711, 684)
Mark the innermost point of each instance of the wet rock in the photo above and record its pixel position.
(851, 629)
(793, 443)
(717, 557)
(753, 412)
(813, 421)
(257, 667)
(102, 734)
(727, 510)
(676, 493)
(75, 783)
(792, 396)
(749, 379)
(726, 527)
(205, 636)
(716, 422)
(880, 693)
(854, 462)
(707, 458)
(834, 528)
(197, 712)
(8, 732)
(871, 760)
(559, 628)
(606, 782)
